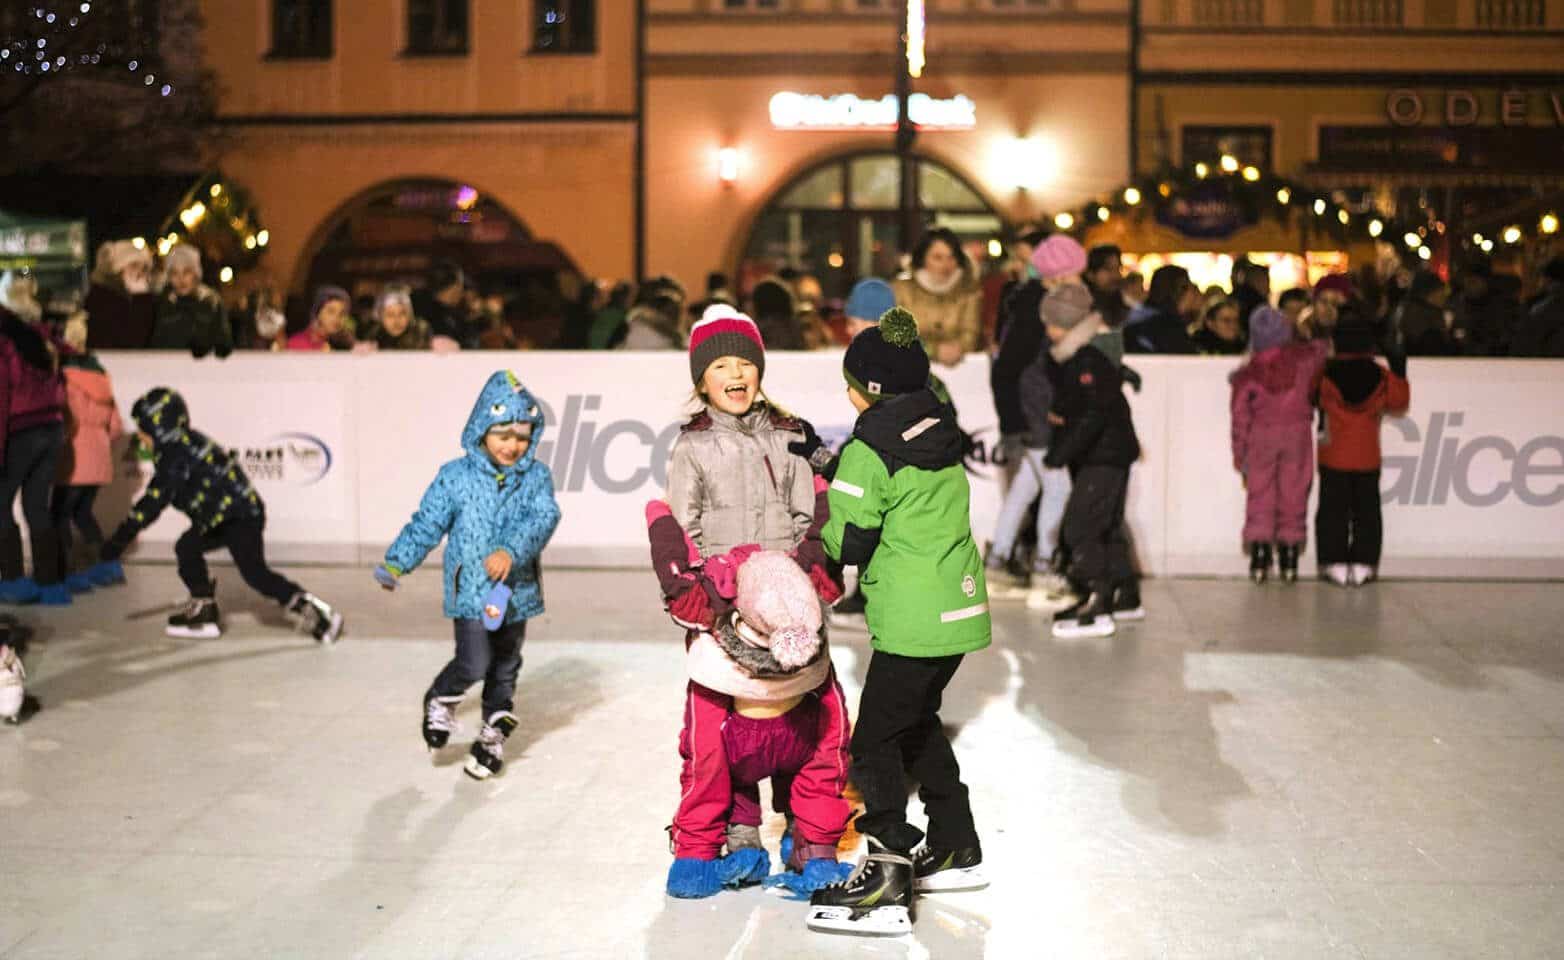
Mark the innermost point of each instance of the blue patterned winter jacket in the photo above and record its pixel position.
(480, 507)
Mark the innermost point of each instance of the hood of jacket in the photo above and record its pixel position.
(917, 429)
(1357, 376)
(503, 399)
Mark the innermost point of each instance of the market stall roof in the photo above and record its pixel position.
(42, 242)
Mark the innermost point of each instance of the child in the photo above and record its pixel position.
(92, 427)
(200, 479)
(766, 650)
(1273, 446)
(496, 507)
(1094, 437)
(1355, 395)
(32, 433)
(328, 329)
(733, 481)
(900, 511)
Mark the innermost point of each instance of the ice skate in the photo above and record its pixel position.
(1259, 562)
(937, 871)
(1362, 573)
(1126, 604)
(198, 620)
(439, 721)
(1092, 617)
(1050, 593)
(1338, 573)
(876, 900)
(315, 617)
(488, 751)
(14, 701)
(1287, 560)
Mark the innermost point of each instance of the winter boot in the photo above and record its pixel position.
(1091, 617)
(1259, 562)
(1010, 580)
(82, 555)
(439, 720)
(935, 870)
(488, 751)
(1287, 561)
(199, 620)
(1050, 592)
(315, 617)
(1126, 602)
(875, 900)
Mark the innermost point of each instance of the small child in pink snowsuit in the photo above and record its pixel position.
(1273, 439)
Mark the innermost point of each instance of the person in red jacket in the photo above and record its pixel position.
(1355, 394)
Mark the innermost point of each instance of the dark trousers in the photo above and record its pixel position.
(1093, 528)
(246, 543)
(31, 458)
(1347, 526)
(73, 507)
(493, 656)
(898, 734)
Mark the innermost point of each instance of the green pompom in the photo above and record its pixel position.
(898, 327)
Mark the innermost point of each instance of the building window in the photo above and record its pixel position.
(565, 26)
(1021, 4)
(767, 4)
(436, 27)
(1250, 145)
(1511, 14)
(1229, 13)
(301, 28)
(1366, 13)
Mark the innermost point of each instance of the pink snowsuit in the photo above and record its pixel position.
(1273, 438)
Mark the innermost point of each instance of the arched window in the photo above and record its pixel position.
(839, 222)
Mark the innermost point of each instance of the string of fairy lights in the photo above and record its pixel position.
(55, 39)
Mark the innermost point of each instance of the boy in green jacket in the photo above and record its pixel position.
(899, 511)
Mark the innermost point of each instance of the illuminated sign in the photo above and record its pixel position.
(801, 111)
(915, 24)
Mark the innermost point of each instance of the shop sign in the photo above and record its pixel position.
(1433, 148)
(1206, 210)
(844, 111)
(1463, 108)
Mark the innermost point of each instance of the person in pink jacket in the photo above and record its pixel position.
(92, 425)
(1273, 440)
(328, 329)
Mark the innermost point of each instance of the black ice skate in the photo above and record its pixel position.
(1126, 602)
(1259, 562)
(488, 751)
(315, 617)
(1092, 617)
(936, 870)
(439, 721)
(1287, 560)
(875, 901)
(199, 620)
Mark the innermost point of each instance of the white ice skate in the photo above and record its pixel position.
(13, 691)
(1338, 573)
(1362, 573)
(1050, 593)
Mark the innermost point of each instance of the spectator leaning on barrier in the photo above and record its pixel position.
(1104, 277)
(328, 323)
(1332, 293)
(1541, 331)
(943, 293)
(653, 320)
(1219, 332)
(776, 314)
(1486, 313)
(443, 304)
(1421, 324)
(1251, 288)
(394, 326)
(190, 314)
(120, 301)
(1159, 326)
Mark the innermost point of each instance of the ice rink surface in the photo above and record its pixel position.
(1251, 772)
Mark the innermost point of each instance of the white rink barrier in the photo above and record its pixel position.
(342, 447)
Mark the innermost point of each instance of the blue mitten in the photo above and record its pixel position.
(495, 605)
(691, 879)
(385, 577)
(744, 867)
(817, 873)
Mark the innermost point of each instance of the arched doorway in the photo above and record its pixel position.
(838, 219)
(403, 231)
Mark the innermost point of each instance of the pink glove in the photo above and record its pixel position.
(722, 572)
(692, 609)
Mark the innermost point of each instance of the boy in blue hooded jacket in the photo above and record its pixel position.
(495, 508)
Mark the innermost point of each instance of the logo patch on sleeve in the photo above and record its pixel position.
(1086, 379)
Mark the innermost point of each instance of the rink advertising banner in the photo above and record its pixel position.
(343, 447)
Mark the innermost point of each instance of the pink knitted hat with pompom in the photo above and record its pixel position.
(776, 599)
(1059, 256)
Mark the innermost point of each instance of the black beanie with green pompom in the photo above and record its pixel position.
(888, 359)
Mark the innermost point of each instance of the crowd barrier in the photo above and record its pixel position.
(342, 447)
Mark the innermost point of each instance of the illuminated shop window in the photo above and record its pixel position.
(437, 27)
(839, 220)
(301, 29)
(564, 26)
(1209, 144)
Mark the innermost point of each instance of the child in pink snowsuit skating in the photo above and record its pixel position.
(1273, 439)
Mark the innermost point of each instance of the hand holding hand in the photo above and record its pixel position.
(497, 565)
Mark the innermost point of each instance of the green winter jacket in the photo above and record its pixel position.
(900, 512)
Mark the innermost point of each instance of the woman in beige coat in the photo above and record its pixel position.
(943, 293)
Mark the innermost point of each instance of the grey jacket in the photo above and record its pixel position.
(731, 480)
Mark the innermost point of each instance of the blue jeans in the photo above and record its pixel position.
(491, 656)
(1032, 478)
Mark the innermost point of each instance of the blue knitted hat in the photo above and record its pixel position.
(869, 300)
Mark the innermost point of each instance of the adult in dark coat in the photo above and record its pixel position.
(120, 304)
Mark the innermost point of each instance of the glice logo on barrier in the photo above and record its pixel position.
(1446, 464)
(297, 458)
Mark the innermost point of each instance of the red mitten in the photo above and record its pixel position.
(692, 609)
(722, 572)
(825, 586)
